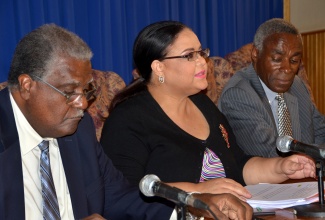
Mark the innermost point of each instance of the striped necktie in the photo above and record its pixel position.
(283, 117)
(50, 202)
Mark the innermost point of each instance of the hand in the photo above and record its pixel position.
(94, 217)
(298, 167)
(224, 206)
(224, 185)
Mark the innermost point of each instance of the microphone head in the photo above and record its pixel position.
(146, 184)
(283, 143)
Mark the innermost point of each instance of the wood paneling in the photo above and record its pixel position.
(314, 61)
(286, 10)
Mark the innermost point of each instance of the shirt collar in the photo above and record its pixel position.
(28, 137)
(269, 93)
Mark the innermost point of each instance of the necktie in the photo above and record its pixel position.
(283, 117)
(50, 202)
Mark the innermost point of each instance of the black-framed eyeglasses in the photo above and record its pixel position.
(74, 97)
(191, 56)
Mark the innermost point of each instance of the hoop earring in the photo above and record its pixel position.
(161, 79)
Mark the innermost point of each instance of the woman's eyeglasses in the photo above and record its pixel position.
(192, 56)
(74, 97)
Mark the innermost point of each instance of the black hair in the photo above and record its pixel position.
(150, 44)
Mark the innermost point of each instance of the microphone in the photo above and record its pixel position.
(287, 143)
(150, 185)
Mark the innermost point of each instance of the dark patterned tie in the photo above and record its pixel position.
(283, 117)
(50, 202)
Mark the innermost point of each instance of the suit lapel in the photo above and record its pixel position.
(8, 130)
(11, 183)
(72, 167)
(256, 84)
(11, 174)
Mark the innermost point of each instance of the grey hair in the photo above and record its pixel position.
(37, 52)
(273, 26)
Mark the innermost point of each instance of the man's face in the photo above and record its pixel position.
(47, 110)
(279, 61)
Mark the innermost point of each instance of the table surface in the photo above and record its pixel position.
(288, 213)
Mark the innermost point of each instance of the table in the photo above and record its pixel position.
(288, 213)
(285, 214)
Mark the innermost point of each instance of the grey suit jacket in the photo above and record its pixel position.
(244, 103)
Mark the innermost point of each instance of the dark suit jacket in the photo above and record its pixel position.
(95, 185)
(246, 106)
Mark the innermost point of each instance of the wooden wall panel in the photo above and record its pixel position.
(314, 61)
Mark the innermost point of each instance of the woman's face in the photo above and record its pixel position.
(181, 75)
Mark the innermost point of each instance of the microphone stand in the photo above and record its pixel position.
(314, 209)
(181, 212)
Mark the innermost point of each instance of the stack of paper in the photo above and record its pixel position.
(282, 195)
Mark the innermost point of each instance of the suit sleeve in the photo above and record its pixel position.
(252, 126)
(319, 126)
(318, 122)
(312, 122)
(123, 201)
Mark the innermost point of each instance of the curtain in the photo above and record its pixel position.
(109, 27)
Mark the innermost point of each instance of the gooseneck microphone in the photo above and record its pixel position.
(150, 185)
(287, 143)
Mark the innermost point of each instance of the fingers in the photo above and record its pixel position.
(226, 205)
(299, 166)
(94, 217)
(234, 208)
(236, 187)
(210, 214)
(301, 159)
(247, 212)
(225, 185)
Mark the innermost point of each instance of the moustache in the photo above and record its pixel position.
(80, 114)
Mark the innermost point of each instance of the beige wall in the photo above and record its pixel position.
(308, 15)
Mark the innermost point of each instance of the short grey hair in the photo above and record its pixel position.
(37, 52)
(273, 26)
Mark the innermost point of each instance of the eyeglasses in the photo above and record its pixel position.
(74, 97)
(192, 56)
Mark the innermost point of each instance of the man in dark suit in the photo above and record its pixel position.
(49, 86)
(249, 98)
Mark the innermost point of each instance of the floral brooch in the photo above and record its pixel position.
(224, 134)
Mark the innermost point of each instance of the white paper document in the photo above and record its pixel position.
(282, 195)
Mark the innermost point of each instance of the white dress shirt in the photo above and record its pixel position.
(272, 101)
(30, 154)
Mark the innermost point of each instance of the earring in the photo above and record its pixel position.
(161, 79)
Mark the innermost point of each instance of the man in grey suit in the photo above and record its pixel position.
(248, 100)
